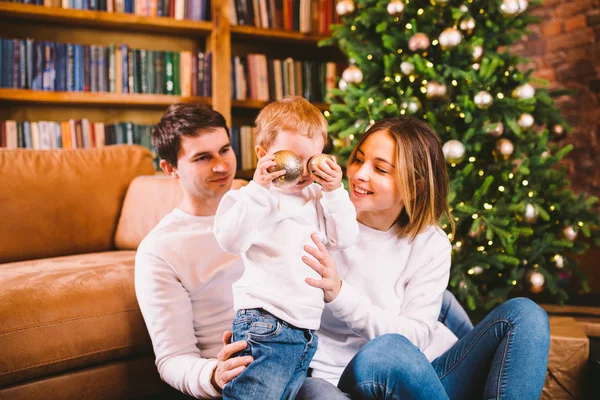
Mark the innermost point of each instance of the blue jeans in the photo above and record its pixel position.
(504, 357)
(281, 352)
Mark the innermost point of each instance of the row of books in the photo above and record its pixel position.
(242, 143)
(66, 67)
(308, 16)
(257, 77)
(196, 10)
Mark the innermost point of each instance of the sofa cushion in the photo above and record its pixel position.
(68, 312)
(61, 202)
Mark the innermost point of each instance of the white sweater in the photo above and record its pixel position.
(269, 229)
(183, 285)
(388, 286)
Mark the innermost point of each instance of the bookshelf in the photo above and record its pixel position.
(85, 27)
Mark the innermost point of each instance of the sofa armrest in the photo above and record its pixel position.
(148, 200)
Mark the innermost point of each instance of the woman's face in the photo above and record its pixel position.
(374, 188)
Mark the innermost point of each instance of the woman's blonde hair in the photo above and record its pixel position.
(292, 113)
(420, 170)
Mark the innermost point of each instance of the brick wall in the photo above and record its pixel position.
(564, 49)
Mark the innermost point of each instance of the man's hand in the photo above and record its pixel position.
(229, 368)
(329, 175)
(325, 266)
(262, 176)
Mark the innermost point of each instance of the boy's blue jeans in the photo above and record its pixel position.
(281, 352)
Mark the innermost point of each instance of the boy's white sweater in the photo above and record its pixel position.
(270, 228)
(388, 286)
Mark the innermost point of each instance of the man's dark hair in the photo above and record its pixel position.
(183, 119)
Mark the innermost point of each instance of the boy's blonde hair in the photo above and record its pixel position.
(421, 173)
(292, 113)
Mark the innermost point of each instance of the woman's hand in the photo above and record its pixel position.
(229, 368)
(262, 176)
(329, 175)
(330, 282)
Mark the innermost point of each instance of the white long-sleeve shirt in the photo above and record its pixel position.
(270, 228)
(388, 286)
(183, 286)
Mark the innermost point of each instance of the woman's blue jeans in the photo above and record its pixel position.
(504, 357)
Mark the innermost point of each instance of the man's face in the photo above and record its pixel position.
(206, 164)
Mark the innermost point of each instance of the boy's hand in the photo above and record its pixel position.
(261, 175)
(229, 367)
(328, 174)
(330, 280)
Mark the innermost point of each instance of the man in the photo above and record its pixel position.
(182, 277)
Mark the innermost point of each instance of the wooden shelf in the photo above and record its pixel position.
(275, 35)
(105, 20)
(258, 104)
(95, 99)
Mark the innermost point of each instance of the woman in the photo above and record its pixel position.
(379, 336)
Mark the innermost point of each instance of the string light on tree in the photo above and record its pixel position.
(525, 121)
(352, 74)
(407, 68)
(495, 129)
(476, 270)
(395, 8)
(559, 261)
(531, 214)
(558, 131)
(523, 92)
(510, 8)
(450, 38)
(344, 7)
(418, 41)
(504, 149)
(483, 100)
(535, 281)
(412, 105)
(454, 151)
(570, 233)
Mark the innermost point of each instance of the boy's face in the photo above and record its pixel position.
(302, 145)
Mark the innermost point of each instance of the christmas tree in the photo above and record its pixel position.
(447, 62)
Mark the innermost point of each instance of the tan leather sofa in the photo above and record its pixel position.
(70, 325)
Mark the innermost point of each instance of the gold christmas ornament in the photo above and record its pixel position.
(570, 233)
(477, 53)
(495, 129)
(450, 38)
(535, 282)
(395, 8)
(412, 105)
(317, 160)
(467, 25)
(504, 149)
(531, 214)
(344, 7)
(419, 41)
(343, 85)
(526, 121)
(510, 8)
(454, 151)
(352, 74)
(483, 100)
(523, 92)
(436, 90)
(559, 261)
(292, 164)
(407, 68)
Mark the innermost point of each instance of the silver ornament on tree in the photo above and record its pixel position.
(569, 233)
(531, 214)
(436, 90)
(476, 66)
(395, 8)
(418, 41)
(559, 261)
(483, 100)
(523, 92)
(477, 53)
(292, 164)
(344, 7)
(525, 121)
(504, 149)
(412, 105)
(407, 68)
(352, 74)
(467, 25)
(510, 8)
(495, 129)
(535, 281)
(450, 38)
(454, 151)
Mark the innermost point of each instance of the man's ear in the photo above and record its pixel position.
(169, 169)
(260, 151)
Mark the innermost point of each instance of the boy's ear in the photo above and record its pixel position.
(169, 169)
(260, 151)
